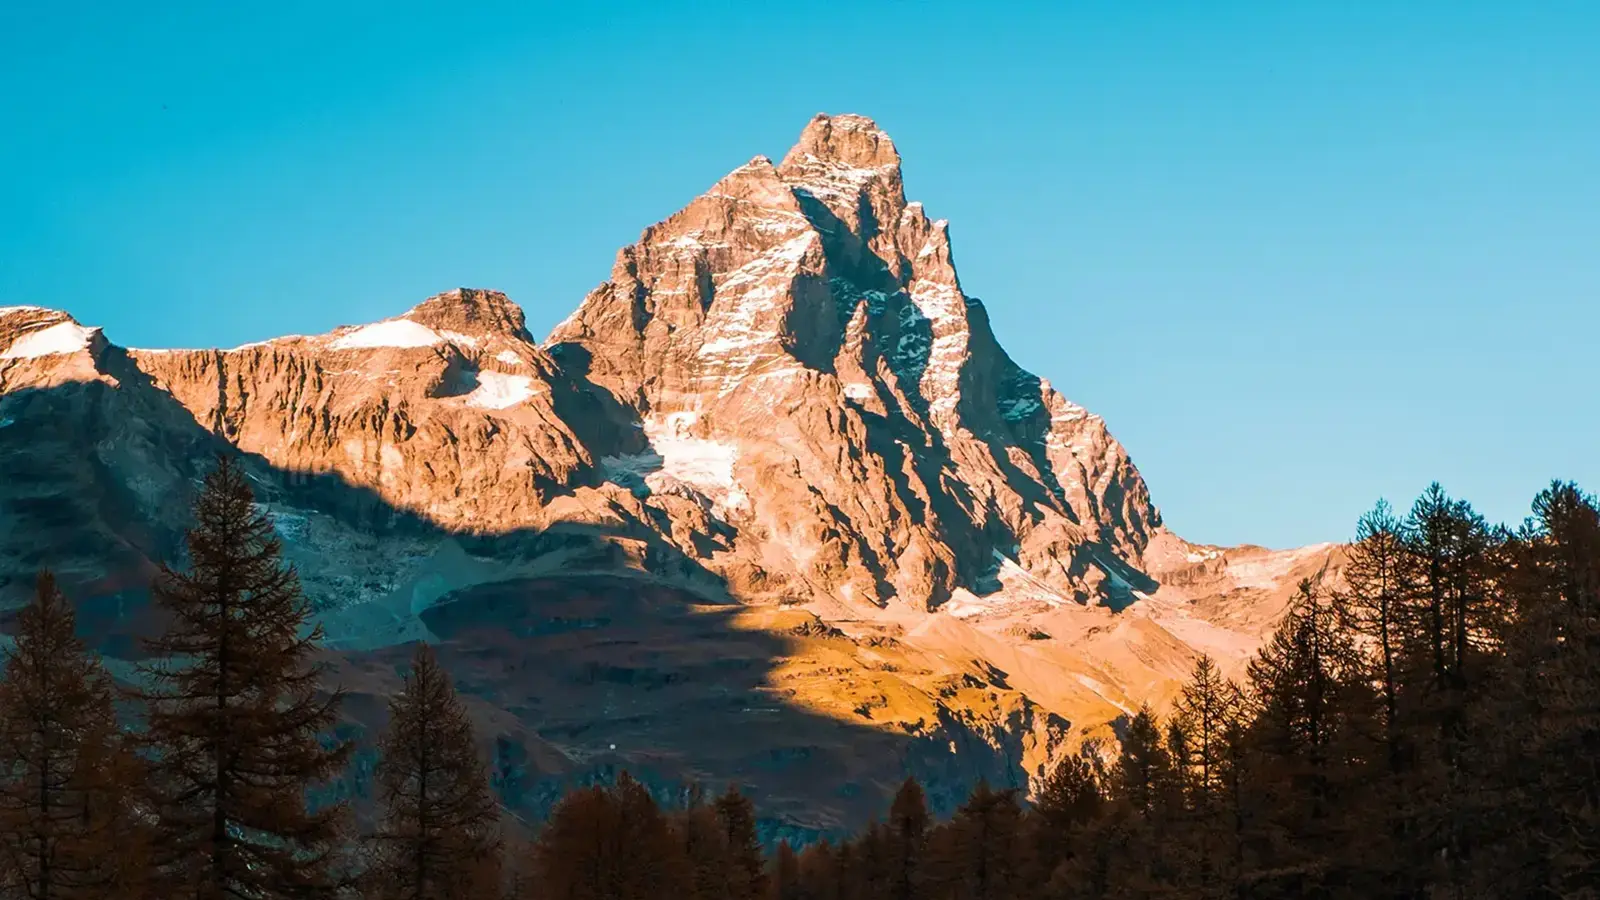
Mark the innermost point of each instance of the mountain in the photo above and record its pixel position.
(772, 505)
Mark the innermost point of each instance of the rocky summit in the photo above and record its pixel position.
(772, 506)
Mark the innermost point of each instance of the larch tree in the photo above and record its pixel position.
(745, 867)
(704, 846)
(1545, 764)
(68, 824)
(438, 835)
(609, 844)
(783, 876)
(1449, 658)
(236, 726)
(1306, 743)
(1208, 707)
(906, 840)
(1208, 704)
(1069, 801)
(979, 853)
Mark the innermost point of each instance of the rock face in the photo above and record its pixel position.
(781, 418)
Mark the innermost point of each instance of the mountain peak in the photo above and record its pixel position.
(848, 140)
(840, 161)
(28, 332)
(470, 311)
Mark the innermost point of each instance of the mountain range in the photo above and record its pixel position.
(771, 506)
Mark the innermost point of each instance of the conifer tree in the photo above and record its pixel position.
(609, 844)
(868, 875)
(1376, 611)
(1069, 801)
(1146, 792)
(1545, 762)
(1375, 570)
(979, 854)
(905, 841)
(745, 869)
(820, 875)
(1205, 711)
(236, 725)
(783, 881)
(438, 836)
(68, 824)
(1305, 743)
(1143, 778)
(1449, 656)
(1208, 704)
(705, 848)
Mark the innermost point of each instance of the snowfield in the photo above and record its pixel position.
(62, 337)
(499, 391)
(393, 333)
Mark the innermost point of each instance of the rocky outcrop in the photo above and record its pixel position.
(782, 401)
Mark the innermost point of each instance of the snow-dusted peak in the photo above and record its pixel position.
(8, 311)
(846, 172)
(471, 312)
(50, 340)
(848, 140)
(32, 332)
(464, 317)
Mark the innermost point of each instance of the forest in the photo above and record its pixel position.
(1426, 725)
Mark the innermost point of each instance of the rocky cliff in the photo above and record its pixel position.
(771, 505)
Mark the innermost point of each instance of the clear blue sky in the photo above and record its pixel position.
(1299, 255)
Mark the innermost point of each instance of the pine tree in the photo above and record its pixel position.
(1144, 779)
(68, 824)
(868, 875)
(235, 721)
(438, 836)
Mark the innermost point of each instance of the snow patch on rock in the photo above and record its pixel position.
(8, 310)
(393, 333)
(1009, 588)
(60, 338)
(509, 358)
(703, 465)
(499, 391)
(679, 461)
(1269, 570)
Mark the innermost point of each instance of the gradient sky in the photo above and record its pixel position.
(1299, 255)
